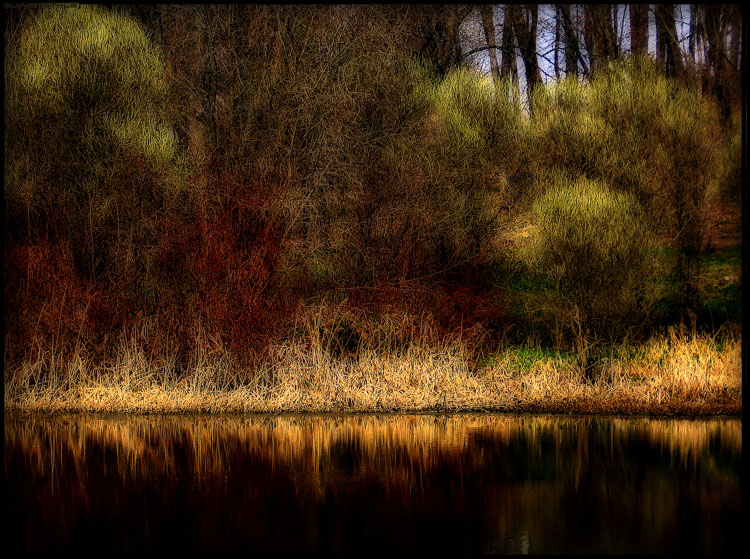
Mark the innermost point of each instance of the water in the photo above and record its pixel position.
(353, 484)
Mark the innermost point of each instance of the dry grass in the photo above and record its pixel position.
(674, 374)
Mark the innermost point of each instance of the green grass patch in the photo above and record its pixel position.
(721, 287)
(526, 357)
(628, 353)
(531, 283)
(721, 263)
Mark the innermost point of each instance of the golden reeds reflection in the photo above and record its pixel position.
(399, 447)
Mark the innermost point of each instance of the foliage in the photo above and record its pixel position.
(595, 246)
(730, 177)
(89, 148)
(217, 171)
(642, 133)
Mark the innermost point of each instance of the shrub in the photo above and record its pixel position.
(643, 133)
(89, 148)
(470, 154)
(592, 245)
(730, 178)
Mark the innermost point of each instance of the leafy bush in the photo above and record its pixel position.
(89, 149)
(730, 178)
(643, 133)
(594, 245)
(470, 150)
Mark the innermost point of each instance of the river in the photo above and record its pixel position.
(473, 483)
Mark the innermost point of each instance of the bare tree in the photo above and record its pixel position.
(668, 48)
(599, 34)
(524, 21)
(437, 29)
(508, 67)
(638, 29)
(716, 23)
(573, 54)
(488, 23)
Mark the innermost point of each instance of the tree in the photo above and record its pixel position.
(488, 23)
(599, 34)
(438, 31)
(716, 22)
(638, 29)
(509, 67)
(573, 54)
(89, 147)
(525, 30)
(591, 245)
(668, 48)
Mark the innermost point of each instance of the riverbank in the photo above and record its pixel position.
(671, 374)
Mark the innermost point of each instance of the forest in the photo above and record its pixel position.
(373, 207)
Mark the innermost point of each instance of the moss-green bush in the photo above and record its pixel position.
(730, 178)
(471, 151)
(594, 245)
(643, 133)
(384, 169)
(89, 147)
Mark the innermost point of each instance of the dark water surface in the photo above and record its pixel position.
(355, 484)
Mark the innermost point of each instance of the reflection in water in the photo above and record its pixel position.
(467, 483)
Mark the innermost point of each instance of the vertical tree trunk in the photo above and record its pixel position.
(668, 47)
(488, 22)
(572, 46)
(692, 37)
(638, 29)
(508, 68)
(736, 36)
(717, 56)
(557, 43)
(599, 34)
(608, 31)
(589, 37)
(525, 30)
(439, 26)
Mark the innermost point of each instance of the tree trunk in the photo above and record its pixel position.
(599, 34)
(735, 39)
(572, 47)
(638, 29)
(717, 56)
(557, 44)
(439, 26)
(509, 68)
(525, 30)
(692, 37)
(668, 47)
(488, 22)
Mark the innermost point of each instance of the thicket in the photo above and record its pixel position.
(219, 177)
(91, 162)
(646, 134)
(594, 251)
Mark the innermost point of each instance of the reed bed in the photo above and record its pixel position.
(671, 374)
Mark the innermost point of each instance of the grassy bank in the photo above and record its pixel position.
(670, 374)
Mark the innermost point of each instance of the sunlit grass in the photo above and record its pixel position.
(676, 373)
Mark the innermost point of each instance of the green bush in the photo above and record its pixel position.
(471, 151)
(730, 178)
(594, 246)
(89, 148)
(643, 133)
